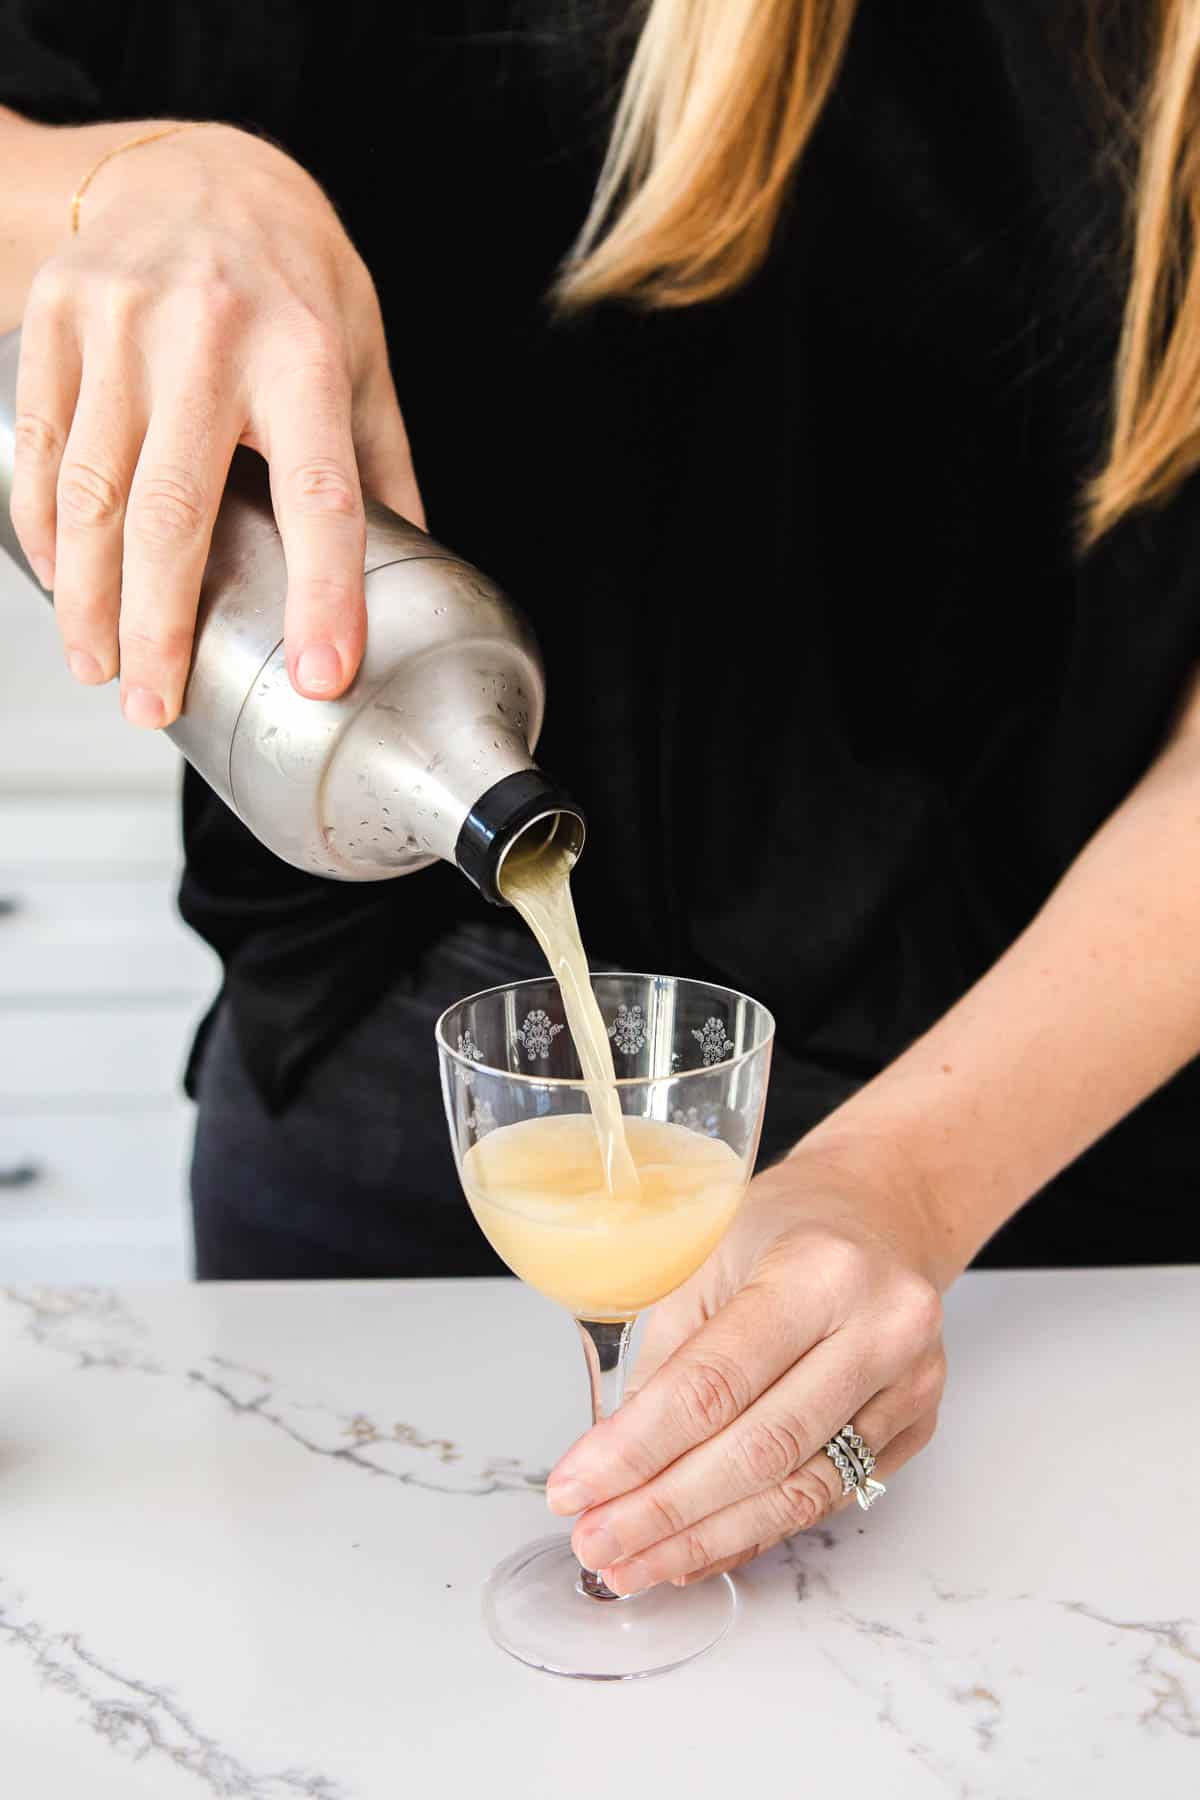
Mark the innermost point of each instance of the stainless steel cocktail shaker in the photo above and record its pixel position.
(427, 755)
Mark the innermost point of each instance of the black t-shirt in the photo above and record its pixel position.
(837, 697)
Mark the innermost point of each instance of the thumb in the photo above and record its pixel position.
(668, 1325)
(685, 1312)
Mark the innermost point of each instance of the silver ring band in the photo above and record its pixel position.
(854, 1461)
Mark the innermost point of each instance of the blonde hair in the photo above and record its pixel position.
(720, 100)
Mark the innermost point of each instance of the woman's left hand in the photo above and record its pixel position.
(817, 1309)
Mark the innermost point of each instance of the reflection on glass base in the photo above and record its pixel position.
(536, 1610)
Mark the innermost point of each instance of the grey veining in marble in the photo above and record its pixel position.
(97, 1330)
(201, 1592)
(144, 1722)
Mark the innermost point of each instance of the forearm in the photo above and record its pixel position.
(1094, 1006)
(40, 168)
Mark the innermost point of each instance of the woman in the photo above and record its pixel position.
(868, 611)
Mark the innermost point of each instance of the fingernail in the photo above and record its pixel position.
(84, 667)
(629, 1578)
(599, 1547)
(141, 707)
(319, 669)
(567, 1497)
(43, 568)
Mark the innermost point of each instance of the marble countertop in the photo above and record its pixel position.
(243, 1531)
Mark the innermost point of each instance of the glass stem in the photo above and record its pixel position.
(606, 1348)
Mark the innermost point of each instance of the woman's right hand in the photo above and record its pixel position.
(210, 298)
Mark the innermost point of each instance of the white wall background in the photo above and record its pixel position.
(100, 983)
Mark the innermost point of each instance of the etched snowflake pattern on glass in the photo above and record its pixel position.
(469, 1048)
(537, 1034)
(714, 1044)
(482, 1118)
(628, 1029)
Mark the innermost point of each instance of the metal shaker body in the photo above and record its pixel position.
(427, 754)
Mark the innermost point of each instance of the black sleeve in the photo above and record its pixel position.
(59, 59)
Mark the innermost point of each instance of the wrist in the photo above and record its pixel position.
(889, 1190)
(143, 157)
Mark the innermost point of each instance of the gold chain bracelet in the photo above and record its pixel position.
(147, 137)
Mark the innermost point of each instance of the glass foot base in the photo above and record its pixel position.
(535, 1609)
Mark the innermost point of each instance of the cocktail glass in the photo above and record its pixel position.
(692, 1062)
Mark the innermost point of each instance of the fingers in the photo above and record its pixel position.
(892, 1458)
(385, 464)
(735, 1533)
(125, 507)
(672, 1322)
(699, 1391)
(47, 387)
(725, 1567)
(173, 500)
(122, 455)
(757, 1455)
(317, 498)
(97, 467)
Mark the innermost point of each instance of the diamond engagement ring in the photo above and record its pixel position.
(854, 1461)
